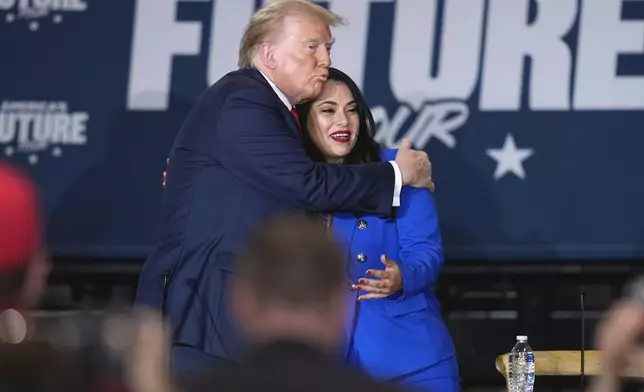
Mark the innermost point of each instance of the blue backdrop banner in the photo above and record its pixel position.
(531, 112)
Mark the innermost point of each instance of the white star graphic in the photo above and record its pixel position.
(57, 18)
(8, 151)
(57, 152)
(509, 158)
(33, 159)
(33, 26)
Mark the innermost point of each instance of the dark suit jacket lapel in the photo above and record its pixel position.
(290, 120)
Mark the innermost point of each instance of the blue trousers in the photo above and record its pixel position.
(425, 381)
(441, 376)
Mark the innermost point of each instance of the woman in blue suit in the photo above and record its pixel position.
(397, 333)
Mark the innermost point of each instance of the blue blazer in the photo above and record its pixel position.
(237, 159)
(404, 332)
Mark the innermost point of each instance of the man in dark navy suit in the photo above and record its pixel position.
(236, 161)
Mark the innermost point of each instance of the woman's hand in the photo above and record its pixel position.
(389, 281)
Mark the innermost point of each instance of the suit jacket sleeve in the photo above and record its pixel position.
(421, 249)
(254, 142)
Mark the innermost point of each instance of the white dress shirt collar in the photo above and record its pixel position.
(279, 92)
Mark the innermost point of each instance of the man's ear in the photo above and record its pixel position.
(267, 55)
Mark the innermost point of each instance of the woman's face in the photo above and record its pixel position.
(333, 122)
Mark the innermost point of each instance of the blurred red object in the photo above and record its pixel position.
(20, 220)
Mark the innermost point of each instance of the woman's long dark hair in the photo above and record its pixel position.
(366, 149)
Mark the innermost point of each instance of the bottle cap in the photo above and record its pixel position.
(522, 338)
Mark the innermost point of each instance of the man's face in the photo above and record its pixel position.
(302, 55)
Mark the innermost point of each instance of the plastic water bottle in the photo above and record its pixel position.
(521, 366)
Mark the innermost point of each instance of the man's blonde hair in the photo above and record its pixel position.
(267, 21)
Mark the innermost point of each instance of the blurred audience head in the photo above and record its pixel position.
(24, 265)
(622, 328)
(619, 336)
(290, 284)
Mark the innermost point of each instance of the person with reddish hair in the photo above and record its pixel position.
(28, 360)
(24, 263)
